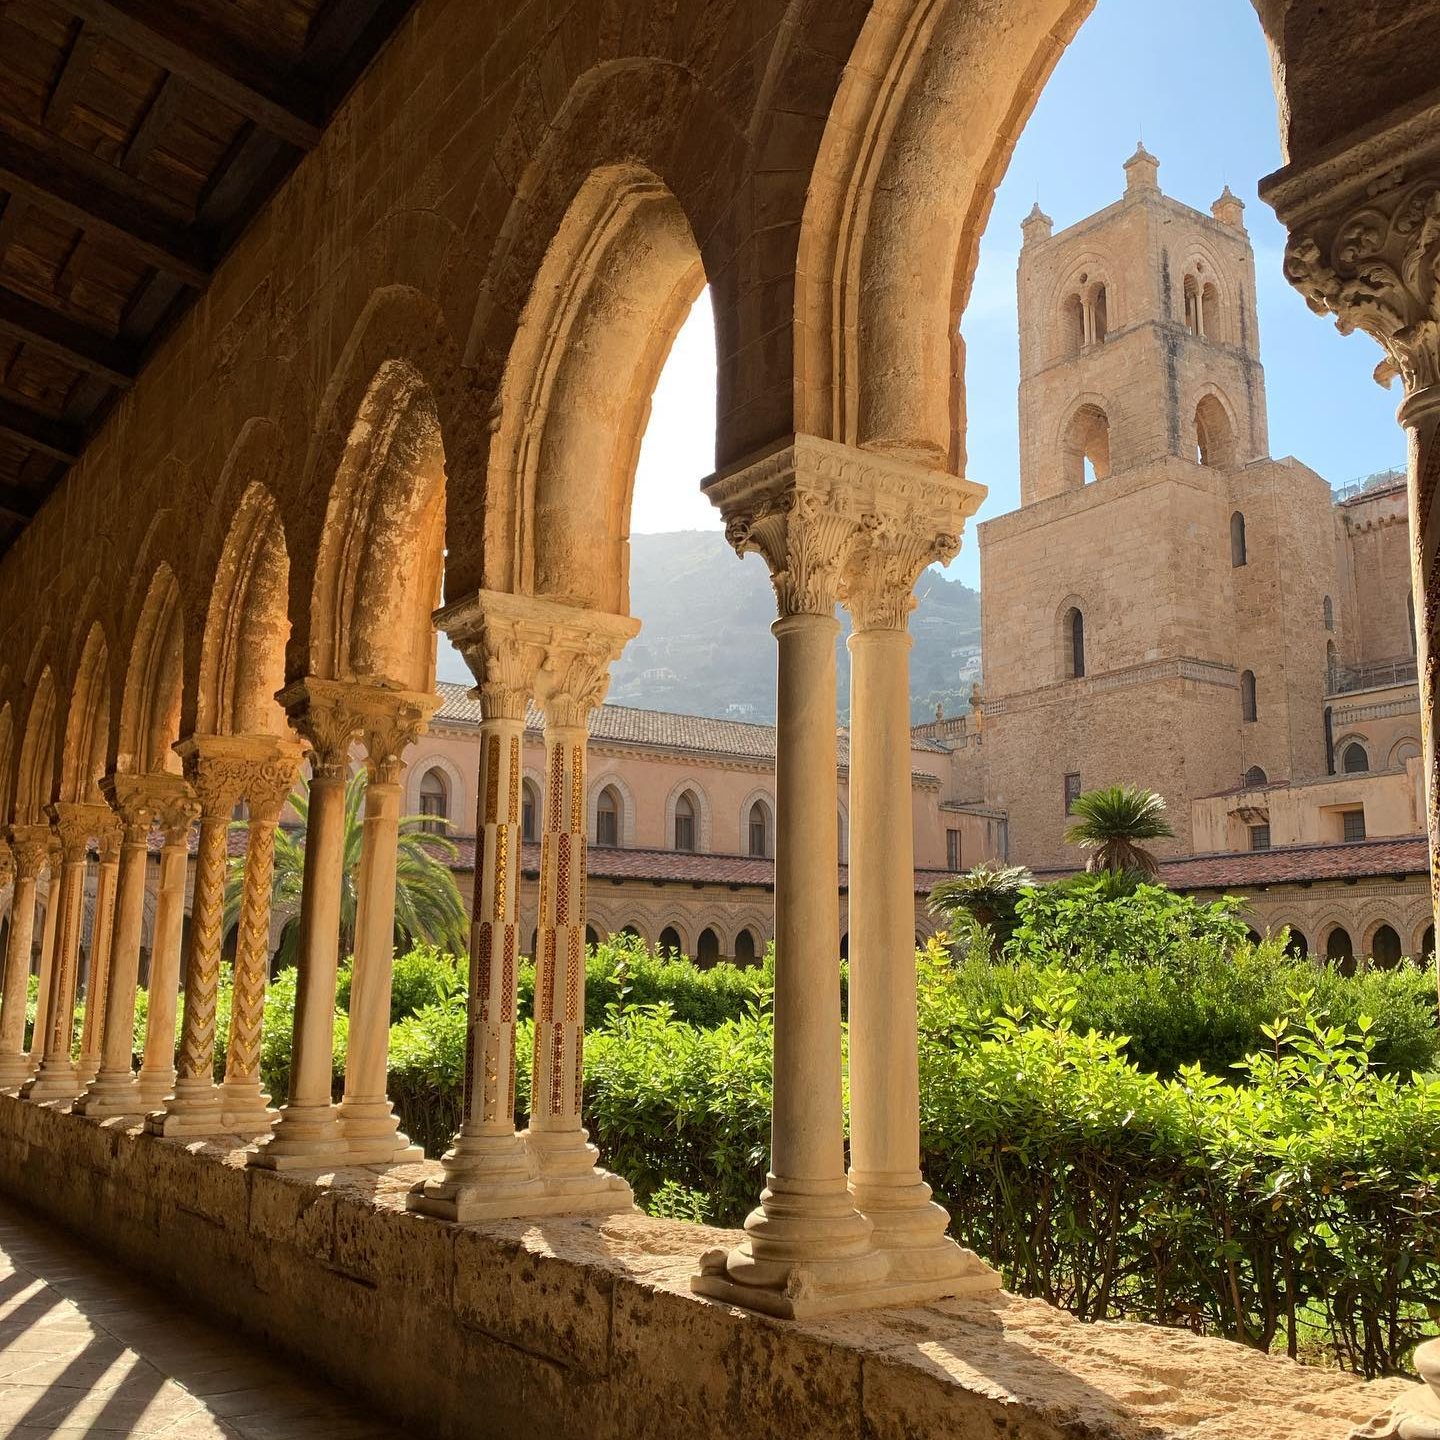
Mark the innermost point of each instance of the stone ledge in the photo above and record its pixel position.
(587, 1327)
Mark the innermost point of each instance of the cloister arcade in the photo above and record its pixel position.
(229, 589)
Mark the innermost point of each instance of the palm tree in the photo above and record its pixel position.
(427, 901)
(1110, 822)
(984, 897)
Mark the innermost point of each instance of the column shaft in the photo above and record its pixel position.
(157, 1071)
(101, 938)
(15, 1066)
(48, 931)
(244, 1102)
(56, 1078)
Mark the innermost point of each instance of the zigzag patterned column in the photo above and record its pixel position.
(31, 848)
(48, 931)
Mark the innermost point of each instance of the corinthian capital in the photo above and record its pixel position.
(836, 522)
(77, 824)
(7, 864)
(30, 845)
(390, 729)
(322, 715)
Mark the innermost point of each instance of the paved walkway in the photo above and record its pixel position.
(87, 1350)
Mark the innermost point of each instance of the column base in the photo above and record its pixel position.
(1415, 1415)
(52, 1082)
(371, 1131)
(305, 1137)
(109, 1096)
(87, 1070)
(245, 1109)
(191, 1113)
(156, 1086)
(15, 1070)
(912, 1232)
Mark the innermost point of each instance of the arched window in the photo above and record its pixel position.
(1237, 540)
(1256, 776)
(1329, 613)
(685, 817)
(1074, 644)
(435, 799)
(1385, 948)
(759, 828)
(1404, 750)
(744, 948)
(1427, 945)
(592, 936)
(1210, 311)
(1248, 699)
(1214, 435)
(1086, 448)
(1073, 324)
(1297, 945)
(529, 810)
(1353, 759)
(1099, 313)
(1192, 305)
(707, 949)
(670, 941)
(608, 810)
(1340, 949)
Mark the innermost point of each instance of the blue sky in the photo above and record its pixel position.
(1198, 90)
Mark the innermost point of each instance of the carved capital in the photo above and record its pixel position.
(225, 769)
(390, 734)
(30, 845)
(323, 716)
(823, 515)
(109, 838)
(76, 824)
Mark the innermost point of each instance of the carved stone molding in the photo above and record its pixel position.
(7, 864)
(225, 769)
(329, 715)
(108, 840)
(835, 522)
(30, 846)
(520, 646)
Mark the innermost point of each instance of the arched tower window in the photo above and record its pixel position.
(1086, 450)
(1099, 313)
(1210, 311)
(1192, 305)
(607, 817)
(1237, 540)
(685, 822)
(529, 810)
(435, 799)
(1072, 324)
(1074, 644)
(1248, 705)
(1214, 438)
(1256, 776)
(759, 829)
(1329, 613)
(1353, 759)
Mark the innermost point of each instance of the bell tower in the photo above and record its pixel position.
(1138, 339)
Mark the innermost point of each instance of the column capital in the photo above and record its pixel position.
(1364, 243)
(393, 720)
(109, 838)
(325, 717)
(823, 514)
(135, 799)
(30, 845)
(523, 645)
(77, 823)
(225, 769)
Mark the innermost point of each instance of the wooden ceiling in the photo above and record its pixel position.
(138, 138)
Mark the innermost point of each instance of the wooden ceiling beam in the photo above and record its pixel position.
(72, 77)
(250, 85)
(66, 338)
(35, 432)
(103, 202)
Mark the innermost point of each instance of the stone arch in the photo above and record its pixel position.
(461, 811)
(8, 760)
(1407, 747)
(1084, 438)
(1073, 629)
(241, 662)
(1353, 751)
(933, 100)
(1383, 946)
(692, 787)
(35, 773)
(682, 936)
(87, 725)
(1215, 432)
(759, 796)
(617, 280)
(612, 780)
(151, 694)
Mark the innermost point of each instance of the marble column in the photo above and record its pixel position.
(368, 1122)
(307, 1133)
(807, 1250)
(887, 556)
(268, 784)
(56, 1078)
(30, 845)
(101, 935)
(175, 815)
(48, 931)
(113, 1090)
(215, 774)
(489, 1172)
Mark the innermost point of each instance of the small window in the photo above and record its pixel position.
(1075, 644)
(607, 817)
(685, 822)
(1259, 837)
(1237, 540)
(1072, 791)
(529, 810)
(1354, 823)
(759, 826)
(1249, 708)
(952, 850)
(434, 799)
(1385, 948)
(1329, 613)
(1353, 759)
(1256, 776)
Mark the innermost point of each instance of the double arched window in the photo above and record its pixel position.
(1085, 315)
(435, 799)
(1202, 305)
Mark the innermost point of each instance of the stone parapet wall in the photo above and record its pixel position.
(588, 1327)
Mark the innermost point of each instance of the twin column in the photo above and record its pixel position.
(835, 523)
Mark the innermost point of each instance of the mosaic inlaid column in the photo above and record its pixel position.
(215, 775)
(887, 556)
(489, 1172)
(368, 1122)
(101, 934)
(175, 815)
(268, 783)
(571, 682)
(56, 1078)
(30, 846)
(48, 931)
(808, 1249)
(307, 1133)
(113, 1090)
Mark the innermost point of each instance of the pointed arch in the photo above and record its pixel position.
(8, 760)
(87, 725)
(150, 699)
(35, 775)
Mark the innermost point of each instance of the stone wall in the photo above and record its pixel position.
(589, 1328)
